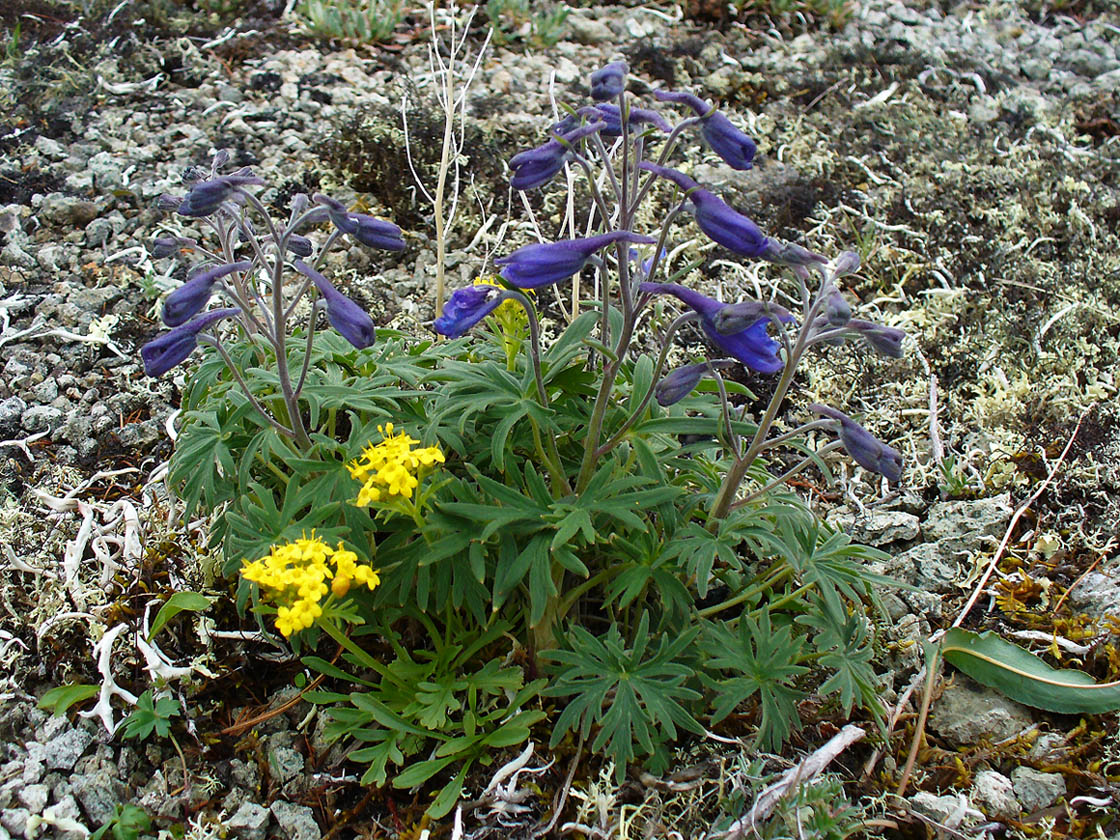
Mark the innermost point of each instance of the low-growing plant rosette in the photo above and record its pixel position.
(518, 510)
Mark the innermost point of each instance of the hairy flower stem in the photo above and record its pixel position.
(725, 496)
(832, 446)
(260, 409)
(280, 327)
(638, 412)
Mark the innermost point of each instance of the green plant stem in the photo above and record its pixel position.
(725, 497)
(307, 349)
(773, 579)
(331, 629)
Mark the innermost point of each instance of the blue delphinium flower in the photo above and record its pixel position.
(678, 384)
(544, 263)
(752, 346)
(865, 449)
(352, 322)
(191, 298)
(536, 167)
(735, 147)
(466, 307)
(165, 352)
(723, 225)
(609, 81)
(207, 196)
(373, 233)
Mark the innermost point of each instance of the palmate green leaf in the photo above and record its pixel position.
(1017, 673)
(648, 691)
(844, 644)
(763, 662)
(379, 756)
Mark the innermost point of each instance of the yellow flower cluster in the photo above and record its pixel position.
(390, 467)
(295, 578)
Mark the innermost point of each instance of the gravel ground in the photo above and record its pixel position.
(970, 153)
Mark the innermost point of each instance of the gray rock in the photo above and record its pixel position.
(1037, 69)
(50, 148)
(34, 797)
(296, 821)
(1097, 593)
(879, 527)
(1037, 790)
(949, 810)
(967, 526)
(286, 763)
(250, 822)
(98, 232)
(967, 712)
(66, 811)
(993, 792)
(11, 410)
(585, 30)
(15, 255)
(68, 210)
(63, 751)
(39, 418)
(15, 820)
(98, 793)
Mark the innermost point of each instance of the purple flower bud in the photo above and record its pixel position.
(164, 246)
(351, 321)
(369, 231)
(736, 317)
(544, 263)
(171, 348)
(191, 298)
(886, 341)
(466, 307)
(752, 346)
(681, 382)
(375, 233)
(536, 167)
(207, 196)
(301, 246)
(612, 116)
(735, 147)
(788, 253)
(836, 310)
(609, 81)
(865, 449)
(725, 226)
(846, 263)
(169, 203)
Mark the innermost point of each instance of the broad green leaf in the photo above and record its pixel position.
(1023, 677)
(61, 698)
(177, 603)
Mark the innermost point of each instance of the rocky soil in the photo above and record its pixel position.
(968, 151)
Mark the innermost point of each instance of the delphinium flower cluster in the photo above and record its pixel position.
(632, 146)
(294, 576)
(258, 270)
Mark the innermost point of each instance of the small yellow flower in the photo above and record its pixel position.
(391, 467)
(294, 576)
